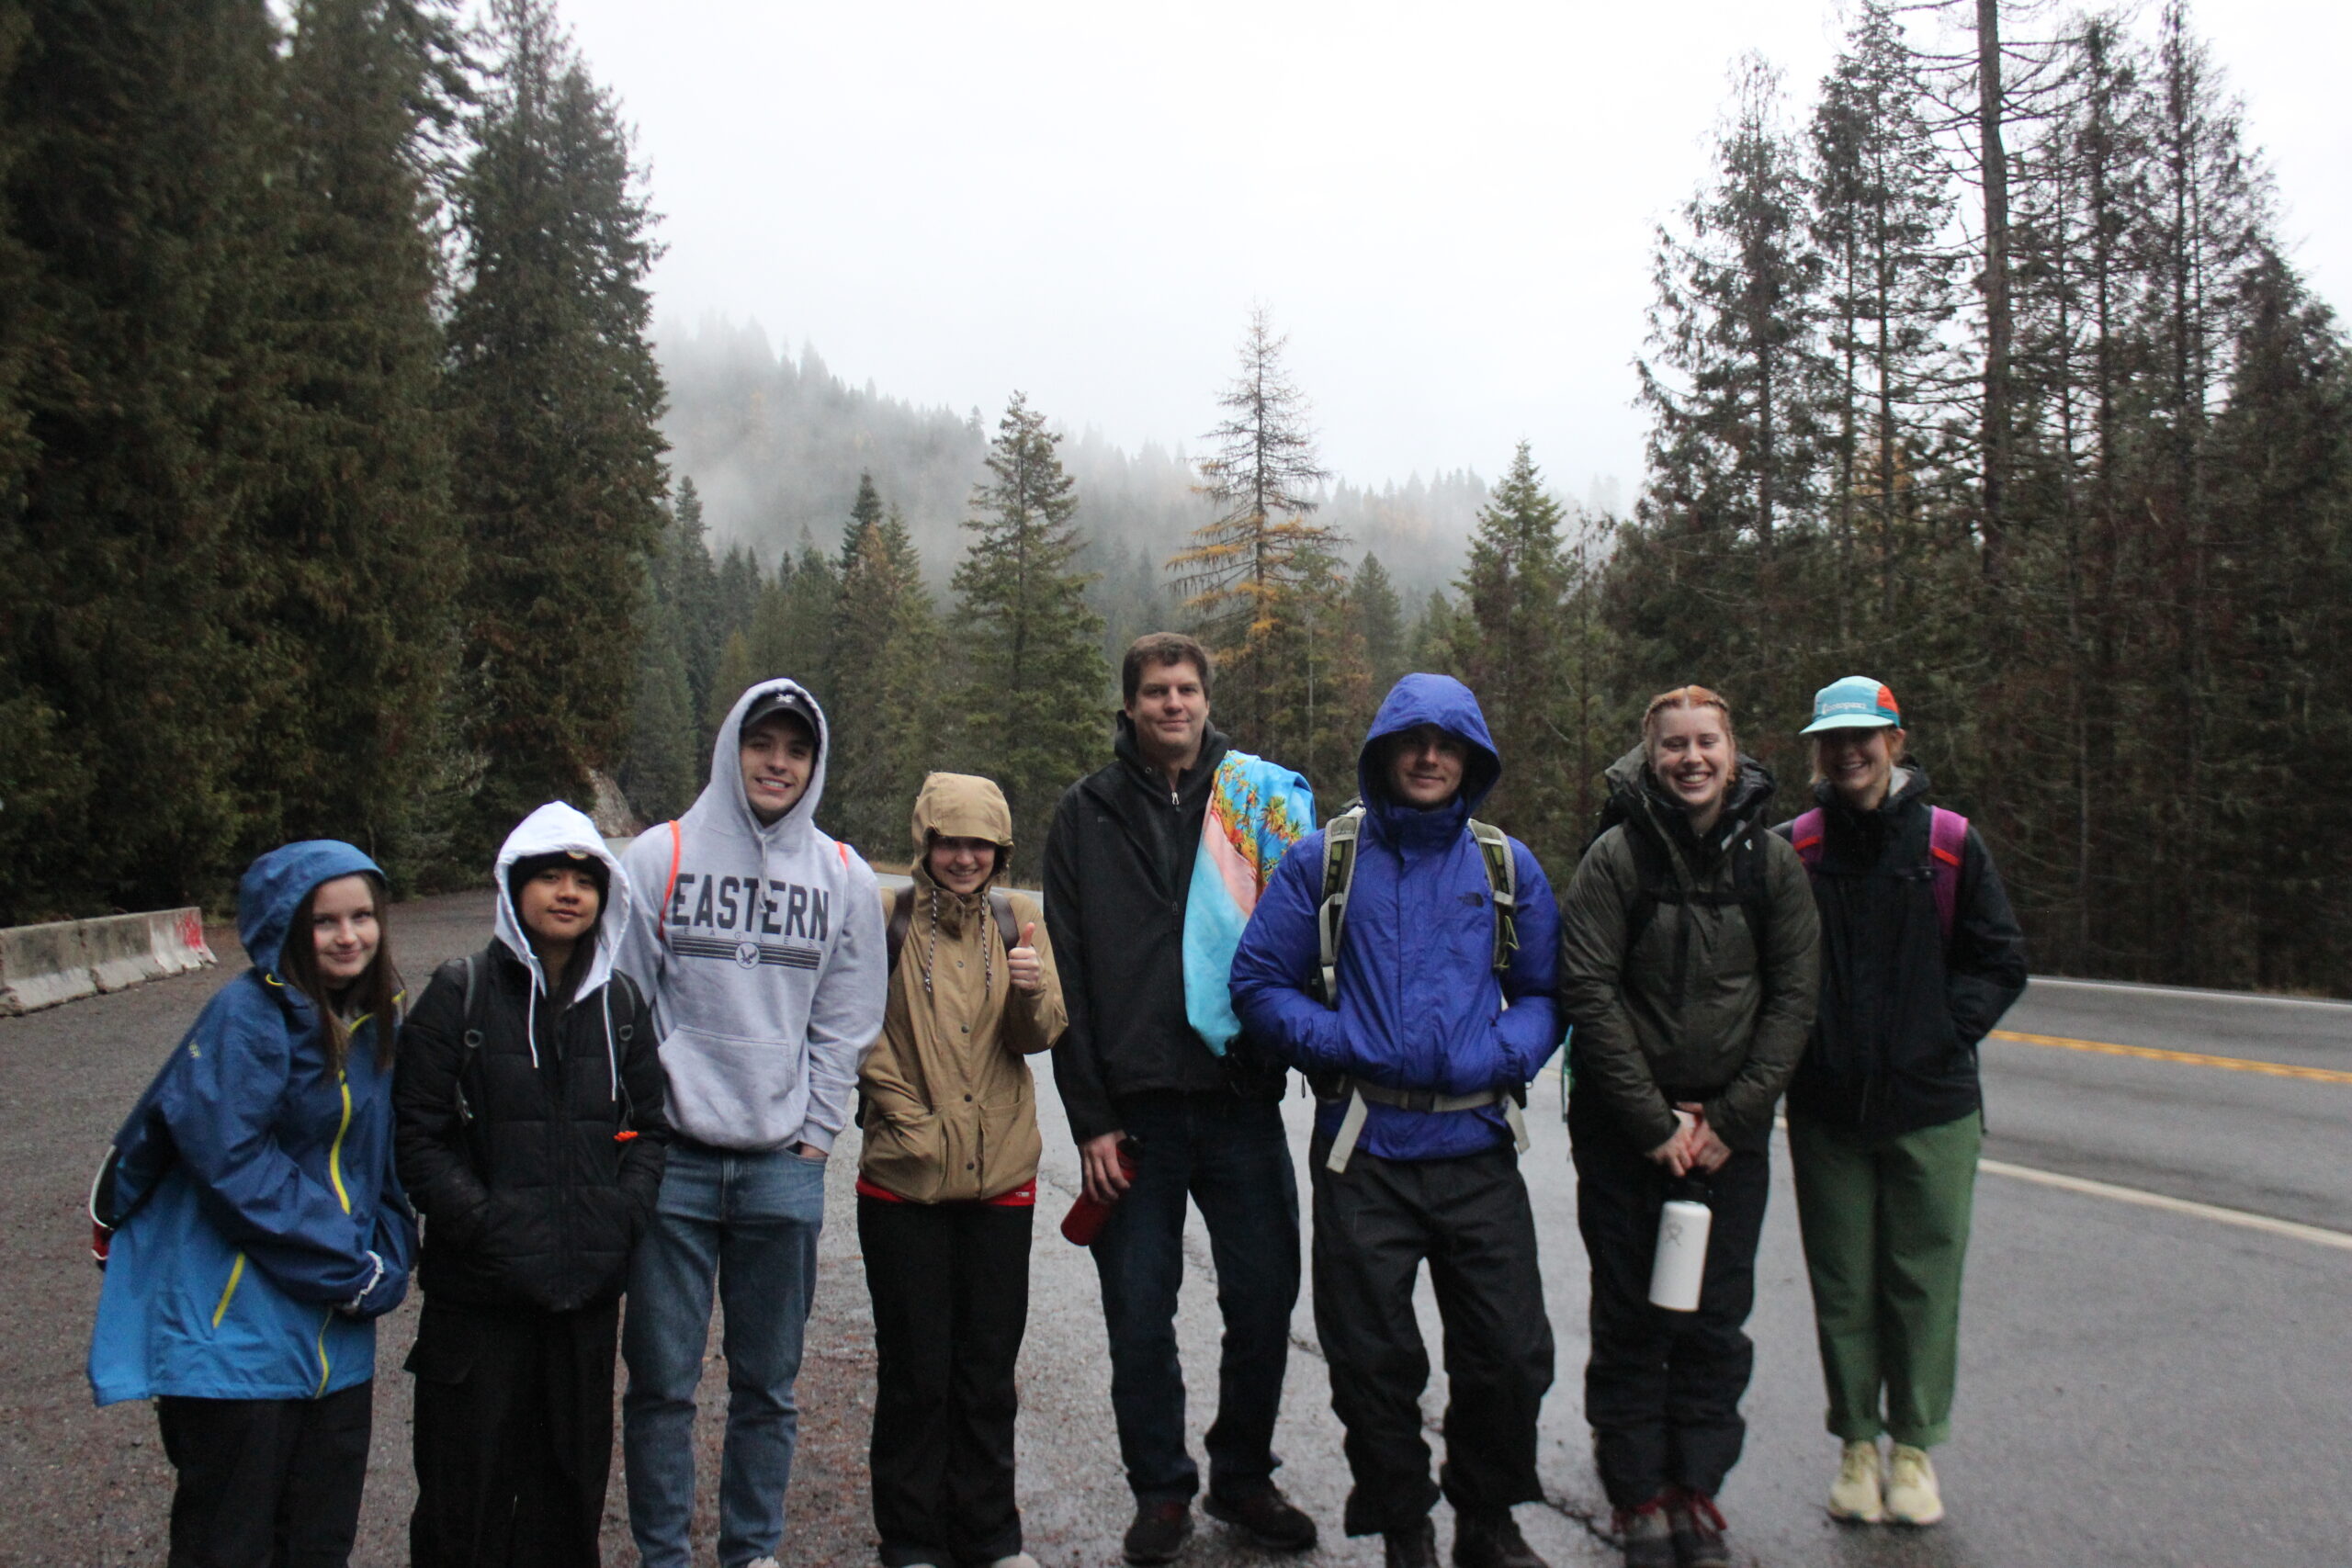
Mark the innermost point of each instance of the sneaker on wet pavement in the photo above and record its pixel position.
(1412, 1548)
(1491, 1540)
(1698, 1528)
(1912, 1494)
(1266, 1517)
(1018, 1560)
(1855, 1495)
(1158, 1533)
(1646, 1534)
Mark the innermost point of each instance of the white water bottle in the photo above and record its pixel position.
(1680, 1263)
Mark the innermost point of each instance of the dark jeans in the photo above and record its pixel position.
(1230, 1156)
(514, 1435)
(950, 1283)
(1662, 1390)
(266, 1483)
(1375, 1224)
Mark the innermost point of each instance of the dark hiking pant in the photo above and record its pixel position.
(266, 1483)
(1375, 1224)
(1231, 1157)
(514, 1435)
(950, 1283)
(1662, 1389)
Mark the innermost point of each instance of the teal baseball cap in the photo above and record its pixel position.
(1854, 702)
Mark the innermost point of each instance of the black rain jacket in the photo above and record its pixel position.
(1118, 870)
(1894, 1044)
(529, 1199)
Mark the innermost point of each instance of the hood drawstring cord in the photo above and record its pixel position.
(931, 954)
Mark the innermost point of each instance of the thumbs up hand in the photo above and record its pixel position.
(1022, 964)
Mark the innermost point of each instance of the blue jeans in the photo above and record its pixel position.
(1231, 1157)
(749, 1222)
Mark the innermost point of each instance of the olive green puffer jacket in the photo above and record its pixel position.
(1693, 1010)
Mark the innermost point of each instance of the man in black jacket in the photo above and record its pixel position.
(1133, 1073)
(532, 1136)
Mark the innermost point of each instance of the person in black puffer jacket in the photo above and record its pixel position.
(1921, 957)
(531, 1136)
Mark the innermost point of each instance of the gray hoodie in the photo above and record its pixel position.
(764, 960)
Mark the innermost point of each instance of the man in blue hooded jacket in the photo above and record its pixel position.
(1419, 1059)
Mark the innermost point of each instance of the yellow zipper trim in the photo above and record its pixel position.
(326, 1368)
(236, 1272)
(334, 1153)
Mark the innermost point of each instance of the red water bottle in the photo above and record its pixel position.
(1086, 1217)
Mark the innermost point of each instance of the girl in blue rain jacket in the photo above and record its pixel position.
(257, 1227)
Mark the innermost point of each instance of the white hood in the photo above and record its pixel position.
(557, 829)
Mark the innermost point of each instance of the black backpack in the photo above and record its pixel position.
(1655, 883)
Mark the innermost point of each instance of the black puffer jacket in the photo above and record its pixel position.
(529, 1197)
(1894, 1045)
(1119, 872)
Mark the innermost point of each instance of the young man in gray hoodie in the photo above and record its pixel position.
(760, 944)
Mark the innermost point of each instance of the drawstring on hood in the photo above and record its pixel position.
(557, 829)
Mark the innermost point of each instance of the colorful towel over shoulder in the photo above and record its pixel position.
(1257, 810)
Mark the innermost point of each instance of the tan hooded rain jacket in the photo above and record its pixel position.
(951, 1110)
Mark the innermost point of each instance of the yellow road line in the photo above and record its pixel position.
(2183, 1058)
(2318, 1234)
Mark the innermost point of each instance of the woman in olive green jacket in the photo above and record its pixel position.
(1688, 954)
(947, 1182)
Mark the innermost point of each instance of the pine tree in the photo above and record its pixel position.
(141, 145)
(1731, 387)
(865, 517)
(883, 699)
(1882, 206)
(353, 604)
(1379, 620)
(1509, 646)
(1032, 710)
(691, 586)
(1245, 571)
(555, 394)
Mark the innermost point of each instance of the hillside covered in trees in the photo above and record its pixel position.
(334, 497)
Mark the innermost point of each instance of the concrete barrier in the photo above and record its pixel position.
(41, 966)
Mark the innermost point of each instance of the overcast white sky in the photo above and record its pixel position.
(1447, 207)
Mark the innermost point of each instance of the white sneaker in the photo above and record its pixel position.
(1854, 1496)
(763, 1562)
(1018, 1560)
(1912, 1498)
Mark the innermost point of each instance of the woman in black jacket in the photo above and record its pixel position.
(531, 1137)
(1921, 956)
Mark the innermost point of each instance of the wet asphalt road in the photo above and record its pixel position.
(2137, 1386)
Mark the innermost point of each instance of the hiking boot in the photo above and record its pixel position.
(1264, 1515)
(1854, 1497)
(1158, 1533)
(1491, 1540)
(1415, 1547)
(1698, 1529)
(1646, 1534)
(1912, 1496)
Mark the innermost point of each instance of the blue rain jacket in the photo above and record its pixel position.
(257, 1181)
(1419, 1005)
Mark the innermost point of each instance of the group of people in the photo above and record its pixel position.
(635, 1087)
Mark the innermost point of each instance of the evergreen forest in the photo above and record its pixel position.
(345, 491)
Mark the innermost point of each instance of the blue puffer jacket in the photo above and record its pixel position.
(259, 1187)
(1420, 1007)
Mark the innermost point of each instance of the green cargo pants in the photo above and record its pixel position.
(1885, 1226)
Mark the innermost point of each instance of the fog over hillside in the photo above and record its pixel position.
(776, 443)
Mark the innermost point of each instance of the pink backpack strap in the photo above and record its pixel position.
(1804, 833)
(1946, 843)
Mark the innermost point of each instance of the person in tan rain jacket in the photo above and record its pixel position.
(948, 1180)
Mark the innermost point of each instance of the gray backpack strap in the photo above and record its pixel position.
(1502, 886)
(1330, 916)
